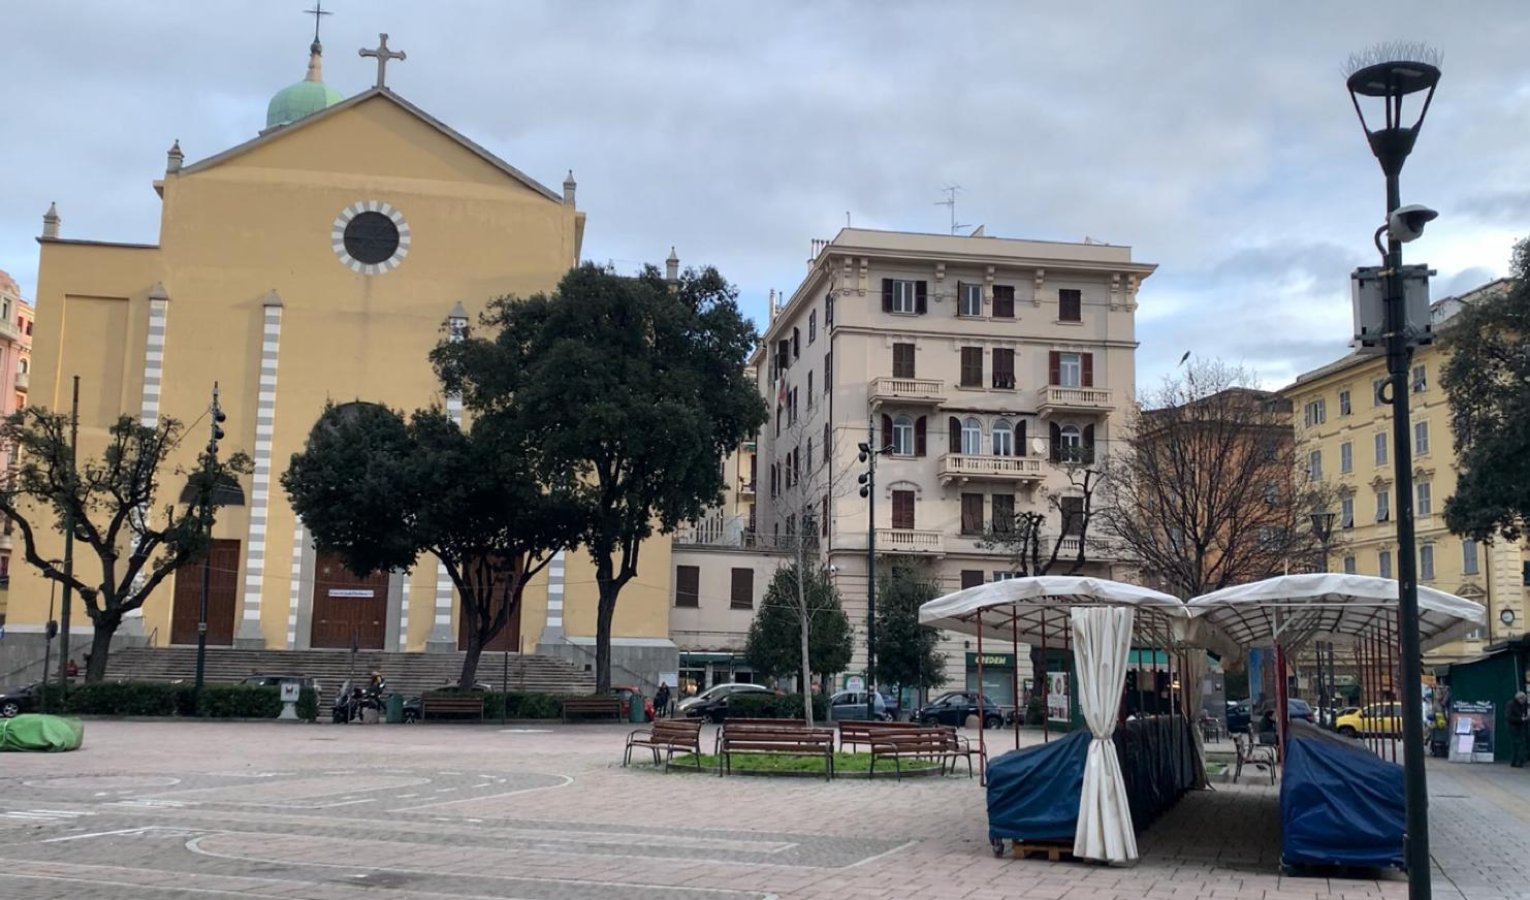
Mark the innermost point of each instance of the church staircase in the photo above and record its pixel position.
(408, 673)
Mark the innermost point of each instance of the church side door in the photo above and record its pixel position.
(509, 637)
(222, 597)
(348, 607)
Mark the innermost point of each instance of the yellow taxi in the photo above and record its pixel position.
(1378, 719)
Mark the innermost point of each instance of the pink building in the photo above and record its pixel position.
(15, 362)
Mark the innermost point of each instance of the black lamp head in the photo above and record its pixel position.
(1388, 73)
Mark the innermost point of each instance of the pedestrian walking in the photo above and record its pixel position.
(1519, 729)
(661, 700)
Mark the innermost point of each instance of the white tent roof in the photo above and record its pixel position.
(1038, 606)
(1328, 606)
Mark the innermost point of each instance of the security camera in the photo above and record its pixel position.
(1406, 223)
(833, 570)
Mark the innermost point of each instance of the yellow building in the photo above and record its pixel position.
(316, 262)
(1344, 431)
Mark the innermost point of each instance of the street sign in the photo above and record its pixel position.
(855, 683)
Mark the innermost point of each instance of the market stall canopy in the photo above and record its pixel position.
(1292, 610)
(1040, 606)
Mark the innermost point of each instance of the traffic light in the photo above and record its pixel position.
(864, 479)
(218, 418)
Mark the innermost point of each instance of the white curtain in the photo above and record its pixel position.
(1102, 641)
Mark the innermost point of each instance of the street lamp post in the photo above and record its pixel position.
(1322, 529)
(868, 480)
(210, 464)
(1390, 74)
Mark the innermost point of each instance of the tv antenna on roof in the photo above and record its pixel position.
(950, 202)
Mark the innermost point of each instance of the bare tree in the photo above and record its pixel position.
(1054, 537)
(1205, 491)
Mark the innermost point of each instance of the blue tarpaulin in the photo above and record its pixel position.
(1340, 804)
(1033, 793)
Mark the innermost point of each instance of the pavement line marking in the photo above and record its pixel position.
(118, 885)
(871, 859)
(404, 796)
(94, 834)
(567, 780)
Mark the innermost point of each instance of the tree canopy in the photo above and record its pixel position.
(906, 650)
(112, 502)
(1487, 380)
(629, 390)
(774, 636)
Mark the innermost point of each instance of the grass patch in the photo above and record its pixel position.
(785, 763)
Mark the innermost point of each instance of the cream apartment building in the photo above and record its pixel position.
(975, 362)
(1345, 432)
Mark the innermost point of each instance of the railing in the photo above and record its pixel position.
(962, 465)
(745, 486)
(1076, 397)
(923, 389)
(640, 681)
(908, 540)
(1004, 381)
(21, 381)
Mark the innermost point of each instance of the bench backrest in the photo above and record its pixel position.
(911, 743)
(677, 731)
(592, 703)
(783, 738)
(451, 701)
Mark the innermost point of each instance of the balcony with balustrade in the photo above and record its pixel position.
(963, 467)
(907, 391)
(909, 540)
(1058, 399)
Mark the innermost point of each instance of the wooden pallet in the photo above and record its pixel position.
(1054, 852)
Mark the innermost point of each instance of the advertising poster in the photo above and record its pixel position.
(1058, 709)
(1471, 731)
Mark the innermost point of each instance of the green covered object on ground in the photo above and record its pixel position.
(41, 734)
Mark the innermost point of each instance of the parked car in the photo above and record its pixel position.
(850, 706)
(626, 692)
(17, 700)
(1240, 713)
(1377, 719)
(955, 708)
(712, 703)
(893, 704)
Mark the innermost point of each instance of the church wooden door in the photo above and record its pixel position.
(222, 597)
(509, 637)
(348, 607)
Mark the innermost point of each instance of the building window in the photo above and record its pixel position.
(1315, 413)
(1003, 369)
(1271, 494)
(1004, 513)
(827, 441)
(823, 520)
(1344, 405)
(972, 513)
(1420, 379)
(1072, 510)
(1468, 557)
(903, 509)
(1347, 512)
(1346, 458)
(903, 360)
(1072, 441)
(1003, 438)
(1070, 370)
(796, 343)
(1070, 305)
(1424, 506)
(972, 437)
(688, 586)
(812, 326)
(972, 367)
(810, 454)
(1421, 438)
(1384, 563)
(903, 436)
(1004, 576)
(828, 370)
(1426, 562)
(742, 595)
(1315, 465)
(1381, 449)
(1003, 301)
(828, 310)
(970, 299)
(971, 578)
(1378, 388)
(1383, 506)
(907, 297)
(1349, 565)
(810, 389)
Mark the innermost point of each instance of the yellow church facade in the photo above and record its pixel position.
(319, 261)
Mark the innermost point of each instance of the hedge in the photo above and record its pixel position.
(759, 705)
(521, 705)
(150, 698)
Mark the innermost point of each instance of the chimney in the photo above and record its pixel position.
(569, 184)
(772, 304)
(672, 268)
(51, 221)
(174, 158)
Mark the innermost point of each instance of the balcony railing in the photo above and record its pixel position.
(21, 381)
(962, 466)
(907, 390)
(1074, 399)
(746, 487)
(908, 540)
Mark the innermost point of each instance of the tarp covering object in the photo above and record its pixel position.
(1033, 793)
(40, 734)
(1340, 804)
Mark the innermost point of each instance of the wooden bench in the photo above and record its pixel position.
(783, 737)
(443, 705)
(927, 742)
(739, 726)
(592, 706)
(668, 735)
(856, 732)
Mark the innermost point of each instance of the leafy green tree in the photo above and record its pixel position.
(630, 389)
(1487, 380)
(111, 501)
(906, 654)
(379, 490)
(774, 647)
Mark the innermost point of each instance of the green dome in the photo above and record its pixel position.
(302, 99)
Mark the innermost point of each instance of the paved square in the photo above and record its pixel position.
(199, 810)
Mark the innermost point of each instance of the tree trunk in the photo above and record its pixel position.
(605, 610)
(470, 658)
(100, 649)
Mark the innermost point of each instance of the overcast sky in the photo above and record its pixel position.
(1214, 138)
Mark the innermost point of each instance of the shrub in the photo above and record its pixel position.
(790, 707)
(754, 706)
(220, 701)
(118, 699)
(519, 705)
(308, 705)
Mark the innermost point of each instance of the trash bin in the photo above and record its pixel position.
(369, 716)
(395, 709)
(636, 708)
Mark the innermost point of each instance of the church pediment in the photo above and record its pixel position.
(379, 133)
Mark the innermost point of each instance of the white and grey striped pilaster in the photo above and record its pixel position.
(154, 355)
(249, 632)
(295, 587)
(441, 634)
(555, 580)
(403, 613)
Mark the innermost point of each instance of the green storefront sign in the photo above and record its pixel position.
(1004, 661)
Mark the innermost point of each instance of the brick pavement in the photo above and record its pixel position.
(201, 810)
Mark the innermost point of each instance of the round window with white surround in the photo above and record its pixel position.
(370, 237)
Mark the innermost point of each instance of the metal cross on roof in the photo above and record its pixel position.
(317, 11)
(382, 54)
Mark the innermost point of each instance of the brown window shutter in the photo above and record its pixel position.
(1020, 439)
(1056, 442)
(828, 371)
(743, 589)
(971, 578)
(887, 292)
(1088, 367)
(921, 297)
(823, 522)
(919, 436)
(954, 434)
(754, 470)
(1004, 301)
(903, 509)
(972, 367)
(1004, 513)
(961, 293)
(886, 430)
(687, 586)
(1088, 443)
(1003, 368)
(1054, 367)
(972, 513)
